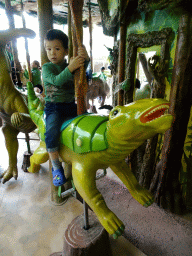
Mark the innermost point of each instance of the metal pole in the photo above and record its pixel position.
(86, 216)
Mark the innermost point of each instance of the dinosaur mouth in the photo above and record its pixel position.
(154, 113)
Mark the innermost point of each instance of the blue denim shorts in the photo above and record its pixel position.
(55, 115)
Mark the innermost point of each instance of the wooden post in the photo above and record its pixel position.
(45, 18)
(122, 45)
(90, 36)
(17, 66)
(76, 7)
(11, 21)
(26, 46)
(70, 44)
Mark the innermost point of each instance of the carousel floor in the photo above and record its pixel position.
(30, 224)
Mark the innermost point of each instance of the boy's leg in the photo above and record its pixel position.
(57, 169)
(54, 157)
(52, 135)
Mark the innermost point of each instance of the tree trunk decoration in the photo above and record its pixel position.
(143, 159)
(166, 179)
(143, 60)
(123, 30)
(157, 70)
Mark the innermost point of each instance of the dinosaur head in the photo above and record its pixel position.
(9, 34)
(139, 120)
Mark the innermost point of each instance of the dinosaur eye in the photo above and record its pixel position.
(115, 112)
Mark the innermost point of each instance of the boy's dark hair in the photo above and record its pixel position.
(53, 34)
(36, 62)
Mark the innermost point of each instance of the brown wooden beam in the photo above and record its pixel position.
(45, 18)
(76, 7)
(166, 179)
(9, 13)
(90, 36)
(122, 47)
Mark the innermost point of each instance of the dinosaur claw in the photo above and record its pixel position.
(119, 232)
(115, 236)
(122, 228)
(148, 203)
(11, 172)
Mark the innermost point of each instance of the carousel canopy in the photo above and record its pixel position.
(104, 12)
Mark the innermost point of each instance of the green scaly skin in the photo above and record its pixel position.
(127, 128)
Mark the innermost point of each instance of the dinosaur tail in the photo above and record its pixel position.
(36, 109)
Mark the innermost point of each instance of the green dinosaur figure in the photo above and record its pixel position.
(92, 142)
(13, 104)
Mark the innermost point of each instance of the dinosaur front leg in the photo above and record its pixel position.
(22, 121)
(39, 156)
(11, 143)
(84, 180)
(127, 177)
(103, 100)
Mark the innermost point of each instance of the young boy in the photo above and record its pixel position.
(36, 75)
(59, 90)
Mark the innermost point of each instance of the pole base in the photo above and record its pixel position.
(91, 242)
(26, 161)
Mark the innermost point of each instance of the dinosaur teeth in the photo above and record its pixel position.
(156, 109)
(154, 113)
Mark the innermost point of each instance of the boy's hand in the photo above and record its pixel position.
(83, 53)
(75, 63)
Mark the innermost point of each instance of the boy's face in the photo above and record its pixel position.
(55, 51)
(33, 65)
